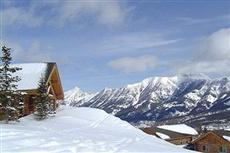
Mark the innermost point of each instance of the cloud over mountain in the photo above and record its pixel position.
(134, 64)
(213, 56)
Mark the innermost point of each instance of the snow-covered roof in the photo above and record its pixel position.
(30, 74)
(162, 135)
(180, 128)
(227, 137)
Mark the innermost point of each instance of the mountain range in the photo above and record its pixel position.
(192, 99)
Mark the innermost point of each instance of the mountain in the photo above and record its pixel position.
(194, 99)
(77, 97)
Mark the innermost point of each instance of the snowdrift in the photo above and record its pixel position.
(85, 130)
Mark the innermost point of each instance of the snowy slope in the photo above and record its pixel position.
(185, 97)
(180, 128)
(79, 130)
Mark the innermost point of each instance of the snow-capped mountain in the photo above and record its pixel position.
(183, 98)
(77, 97)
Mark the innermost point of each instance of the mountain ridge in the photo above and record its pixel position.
(163, 99)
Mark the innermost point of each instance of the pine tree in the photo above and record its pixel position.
(42, 101)
(2, 114)
(8, 86)
(20, 106)
(52, 110)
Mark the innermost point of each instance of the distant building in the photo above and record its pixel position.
(170, 136)
(213, 142)
(30, 75)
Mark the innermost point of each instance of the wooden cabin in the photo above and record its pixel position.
(181, 140)
(30, 75)
(213, 142)
(169, 136)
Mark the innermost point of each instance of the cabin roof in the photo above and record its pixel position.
(224, 134)
(179, 128)
(30, 74)
(218, 134)
(170, 134)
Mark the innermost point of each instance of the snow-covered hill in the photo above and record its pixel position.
(76, 130)
(181, 97)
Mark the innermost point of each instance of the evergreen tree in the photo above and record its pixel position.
(52, 104)
(20, 106)
(2, 114)
(52, 110)
(42, 101)
(8, 86)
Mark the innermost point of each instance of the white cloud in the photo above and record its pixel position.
(61, 13)
(216, 47)
(133, 64)
(108, 13)
(211, 67)
(191, 21)
(135, 41)
(35, 52)
(213, 58)
(20, 17)
(112, 14)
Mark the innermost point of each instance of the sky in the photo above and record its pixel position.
(98, 43)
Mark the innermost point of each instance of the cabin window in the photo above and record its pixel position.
(205, 148)
(222, 149)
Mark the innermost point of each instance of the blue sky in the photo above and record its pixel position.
(99, 44)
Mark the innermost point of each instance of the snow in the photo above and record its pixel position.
(162, 136)
(193, 95)
(194, 76)
(227, 103)
(223, 96)
(178, 113)
(77, 95)
(178, 95)
(211, 98)
(180, 128)
(79, 130)
(30, 74)
(227, 138)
